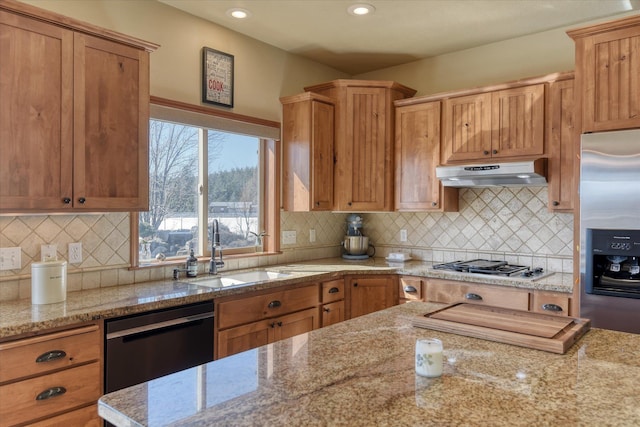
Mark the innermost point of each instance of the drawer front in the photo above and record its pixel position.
(450, 292)
(551, 303)
(258, 307)
(332, 313)
(332, 291)
(85, 417)
(410, 288)
(59, 392)
(42, 354)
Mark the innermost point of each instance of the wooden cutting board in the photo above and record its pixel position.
(523, 328)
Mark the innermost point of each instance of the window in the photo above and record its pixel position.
(199, 173)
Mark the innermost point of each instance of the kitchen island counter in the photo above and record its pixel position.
(361, 373)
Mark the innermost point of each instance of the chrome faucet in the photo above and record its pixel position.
(215, 243)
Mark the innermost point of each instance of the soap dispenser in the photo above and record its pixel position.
(192, 265)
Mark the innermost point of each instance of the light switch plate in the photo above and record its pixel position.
(403, 235)
(312, 235)
(10, 258)
(289, 237)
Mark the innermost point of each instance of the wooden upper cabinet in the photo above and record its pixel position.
(466, 128)
(111, 146)
(562, 145)
(501, 124)
(74, 112)
(417, 153)
(364, 134)
(608, 74)
(36, 115)
(307, 139)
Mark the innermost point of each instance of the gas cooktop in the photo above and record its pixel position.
(495, 268)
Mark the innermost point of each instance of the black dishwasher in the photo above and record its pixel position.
(145, 346)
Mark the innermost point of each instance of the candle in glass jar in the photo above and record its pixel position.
(429, 360)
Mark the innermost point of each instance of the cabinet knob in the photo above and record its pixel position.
(349, 203)
(355, 285)
(474, 297)
(410, 289)
(51, 392)
(279, 323)
(485, 152)
(272, 324)
(82, 200)
(434, 204)
(50, 356)
(556, 203)
(551, 307)
(66, 200)
(495, 151)
(327, 310)
(274, 304)
(317, 203)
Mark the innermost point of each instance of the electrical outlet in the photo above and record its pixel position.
(289, 237)
(75, 253)
(48, 253)
(312, 235)
(403, 235)
(10, 258)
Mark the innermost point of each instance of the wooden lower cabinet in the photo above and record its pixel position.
(410, 289)
(367, 294)
(85, 417)
(451, 291)
(333, 307)
(52, 378)
(333, 313)
(246, 322)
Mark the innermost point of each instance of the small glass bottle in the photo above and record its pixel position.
(192, 265)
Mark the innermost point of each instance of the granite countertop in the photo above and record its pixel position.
(22, 318)
(361, 373)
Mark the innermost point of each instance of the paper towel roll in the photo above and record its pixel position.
(48, 282)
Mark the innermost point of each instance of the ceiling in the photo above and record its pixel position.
(399, 31)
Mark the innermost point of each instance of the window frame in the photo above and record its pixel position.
(267, 131)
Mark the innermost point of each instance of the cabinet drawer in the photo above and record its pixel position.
(332, 291)
(450, 292)
(551, 303)
(332, 313)
(42, 354)
(410, 288)
(250, 309)
(84, 417)
(77, 387)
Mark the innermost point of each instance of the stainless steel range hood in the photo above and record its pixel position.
(507, 174)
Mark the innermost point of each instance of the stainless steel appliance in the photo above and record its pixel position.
(493, 267)
(510, 174)
(145, 346)
(610, 229)
(355, 245)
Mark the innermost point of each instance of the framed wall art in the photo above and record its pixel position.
(217, 77)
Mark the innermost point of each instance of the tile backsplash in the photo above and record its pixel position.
(511, 224)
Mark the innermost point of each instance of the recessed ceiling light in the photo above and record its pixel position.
(238, 13)
(360, 9)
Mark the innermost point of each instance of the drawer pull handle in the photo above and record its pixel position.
(327, 310)
(334, 290)
(410, 289)
(274, 304)
(551, 307)
(474, 297)
(50, 356)
(51, 392)
(279, 323)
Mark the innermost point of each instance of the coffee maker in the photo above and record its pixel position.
(355, 245)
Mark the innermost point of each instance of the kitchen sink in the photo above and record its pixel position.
(241, 278)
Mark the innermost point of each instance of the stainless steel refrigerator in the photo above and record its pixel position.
(610, 229)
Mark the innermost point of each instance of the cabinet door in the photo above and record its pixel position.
(563, 142)
(85, 417)
(417, 153)
(369, 294)
(332, 313)
(36, 115)
(517, 121)
(295, 324)
(242, 338)
(111, 97)
(307, 138)
(365, 160)
(609, 63)
(466, 128)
